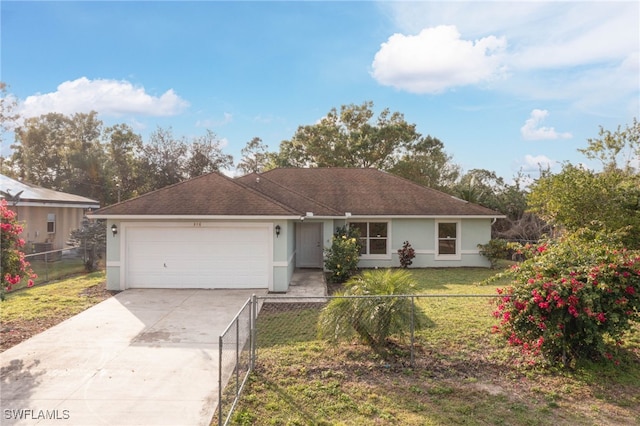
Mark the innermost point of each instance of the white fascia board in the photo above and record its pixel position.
(54, 204)
(193, 217)
(296, 217)
(421, 217)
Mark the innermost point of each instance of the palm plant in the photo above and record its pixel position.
(357, 312)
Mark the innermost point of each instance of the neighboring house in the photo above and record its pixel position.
(48, 216)
(253, 231)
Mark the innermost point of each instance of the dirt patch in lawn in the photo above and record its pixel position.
(17, 331)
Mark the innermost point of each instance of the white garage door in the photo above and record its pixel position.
(173, 256)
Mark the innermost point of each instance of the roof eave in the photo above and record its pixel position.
(286, 217)
(77, 204)
(190, 217)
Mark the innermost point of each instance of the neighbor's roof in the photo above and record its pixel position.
(25, 194)
(331, 192)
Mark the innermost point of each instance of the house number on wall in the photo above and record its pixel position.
(197, 224)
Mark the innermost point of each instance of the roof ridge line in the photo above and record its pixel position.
(164, 188)
(300, 194)
(263, 196)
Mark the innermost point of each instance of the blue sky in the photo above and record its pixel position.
(506, 86)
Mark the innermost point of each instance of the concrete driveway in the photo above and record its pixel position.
(142, 357)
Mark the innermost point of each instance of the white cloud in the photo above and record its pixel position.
(437, 59)
(109, 97)
(585, 53)
(532, 129)
(535, 163)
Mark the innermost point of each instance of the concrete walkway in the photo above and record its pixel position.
(142, 357)
(307, 285)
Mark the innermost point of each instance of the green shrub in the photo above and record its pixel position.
(571, 298)
(372, 319)
(341, 260)
(498, 249)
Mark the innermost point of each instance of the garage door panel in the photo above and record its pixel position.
(208, 257)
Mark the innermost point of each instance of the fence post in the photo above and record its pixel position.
(237, 355)
(46, 266)
(252, 325)
(413, 313)
(220, 342)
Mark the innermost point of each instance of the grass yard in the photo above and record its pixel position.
(27, 312)
(462, 374)
(49, 271)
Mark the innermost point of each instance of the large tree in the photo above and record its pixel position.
(38, 152)
(123, 147)
(163, 160)
(578, 197)
(255, 157)
(206, 156)
(62, 153)
(616, 150)
(352, 137)
(427, 163)
(8, 113)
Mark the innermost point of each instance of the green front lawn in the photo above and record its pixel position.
(463, 374)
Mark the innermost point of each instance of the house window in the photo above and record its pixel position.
(374, 238)
(51, 223)
(448, 239)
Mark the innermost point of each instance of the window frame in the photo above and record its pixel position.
(368, 238)
(51, 219)
(457, 240)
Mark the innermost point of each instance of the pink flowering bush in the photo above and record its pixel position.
(571, 300)
(13, 266)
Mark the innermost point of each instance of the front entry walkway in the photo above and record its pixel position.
(307, 285)
(142, 357)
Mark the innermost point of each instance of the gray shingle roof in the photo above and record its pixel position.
(209, 195)
(296, 191)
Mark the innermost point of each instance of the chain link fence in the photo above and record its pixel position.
(421, 318)
(235, 360)
(439, 330)
(53, 265)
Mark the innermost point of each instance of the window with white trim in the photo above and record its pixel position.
(448, 239)
(374, 238)
(51, 223)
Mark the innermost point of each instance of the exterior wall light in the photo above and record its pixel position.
(278, 228)
(114, 229)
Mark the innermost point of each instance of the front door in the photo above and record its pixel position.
(309, 253)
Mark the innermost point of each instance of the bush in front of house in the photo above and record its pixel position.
(372, 319)
(574, 300)
(406, 254)
(341, 259)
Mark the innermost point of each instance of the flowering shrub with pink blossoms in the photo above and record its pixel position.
(13, 267)
(575, 299)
